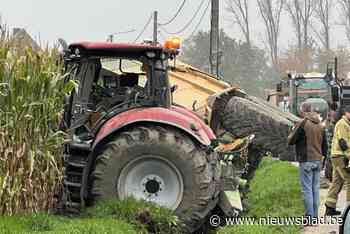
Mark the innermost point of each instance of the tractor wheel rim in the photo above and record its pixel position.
(152, 178)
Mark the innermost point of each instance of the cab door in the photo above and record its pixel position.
(79, 102)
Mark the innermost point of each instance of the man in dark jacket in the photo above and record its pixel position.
(311, 146)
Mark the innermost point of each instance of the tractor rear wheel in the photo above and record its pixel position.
(243, 117)
(161, 165)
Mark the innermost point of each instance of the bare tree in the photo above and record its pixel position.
(323, 12)
(239, 10)
(345, 10)
(3, 29)
(293, 8)
(270, 11)
(301, 12)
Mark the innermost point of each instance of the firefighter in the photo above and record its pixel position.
(340, 160)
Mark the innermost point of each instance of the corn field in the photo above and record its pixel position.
(31, 98)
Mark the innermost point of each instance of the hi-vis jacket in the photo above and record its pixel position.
(341, 130)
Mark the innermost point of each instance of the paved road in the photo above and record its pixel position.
(327, 229)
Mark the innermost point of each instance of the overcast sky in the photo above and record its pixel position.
(77, 20)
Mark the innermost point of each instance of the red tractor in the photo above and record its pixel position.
(128, 139)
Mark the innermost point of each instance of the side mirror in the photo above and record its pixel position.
(335, 94)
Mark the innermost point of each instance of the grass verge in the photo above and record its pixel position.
(275, 192)
(108, 217)
(49, 224)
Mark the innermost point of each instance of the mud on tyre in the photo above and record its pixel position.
(243, 117)
(291, 117)
(159, 164)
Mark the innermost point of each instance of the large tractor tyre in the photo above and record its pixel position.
(243, 117)
(162, 165)
(291, 117)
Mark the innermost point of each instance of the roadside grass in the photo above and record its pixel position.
(108, 217)
(144, 216)
(44, 223)
(275, 192)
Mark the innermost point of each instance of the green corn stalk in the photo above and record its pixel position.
(31, 101)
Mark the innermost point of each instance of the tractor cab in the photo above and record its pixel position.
(112, 77)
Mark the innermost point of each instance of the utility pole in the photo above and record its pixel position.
(214, 38)
(155, 27)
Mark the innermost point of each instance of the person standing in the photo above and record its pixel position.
(332, 119)
(310, 142)
(340, 154)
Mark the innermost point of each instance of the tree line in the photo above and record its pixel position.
(243, 62)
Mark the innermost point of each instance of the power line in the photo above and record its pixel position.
(201, 19)
(188, 23)
(110, 37)
(176, 14)
(143, 29)
(124, 32)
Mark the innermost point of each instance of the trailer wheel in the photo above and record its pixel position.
(243, 117)
(161, 165)
(291, 117)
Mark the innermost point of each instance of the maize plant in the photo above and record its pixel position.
(31, 94)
